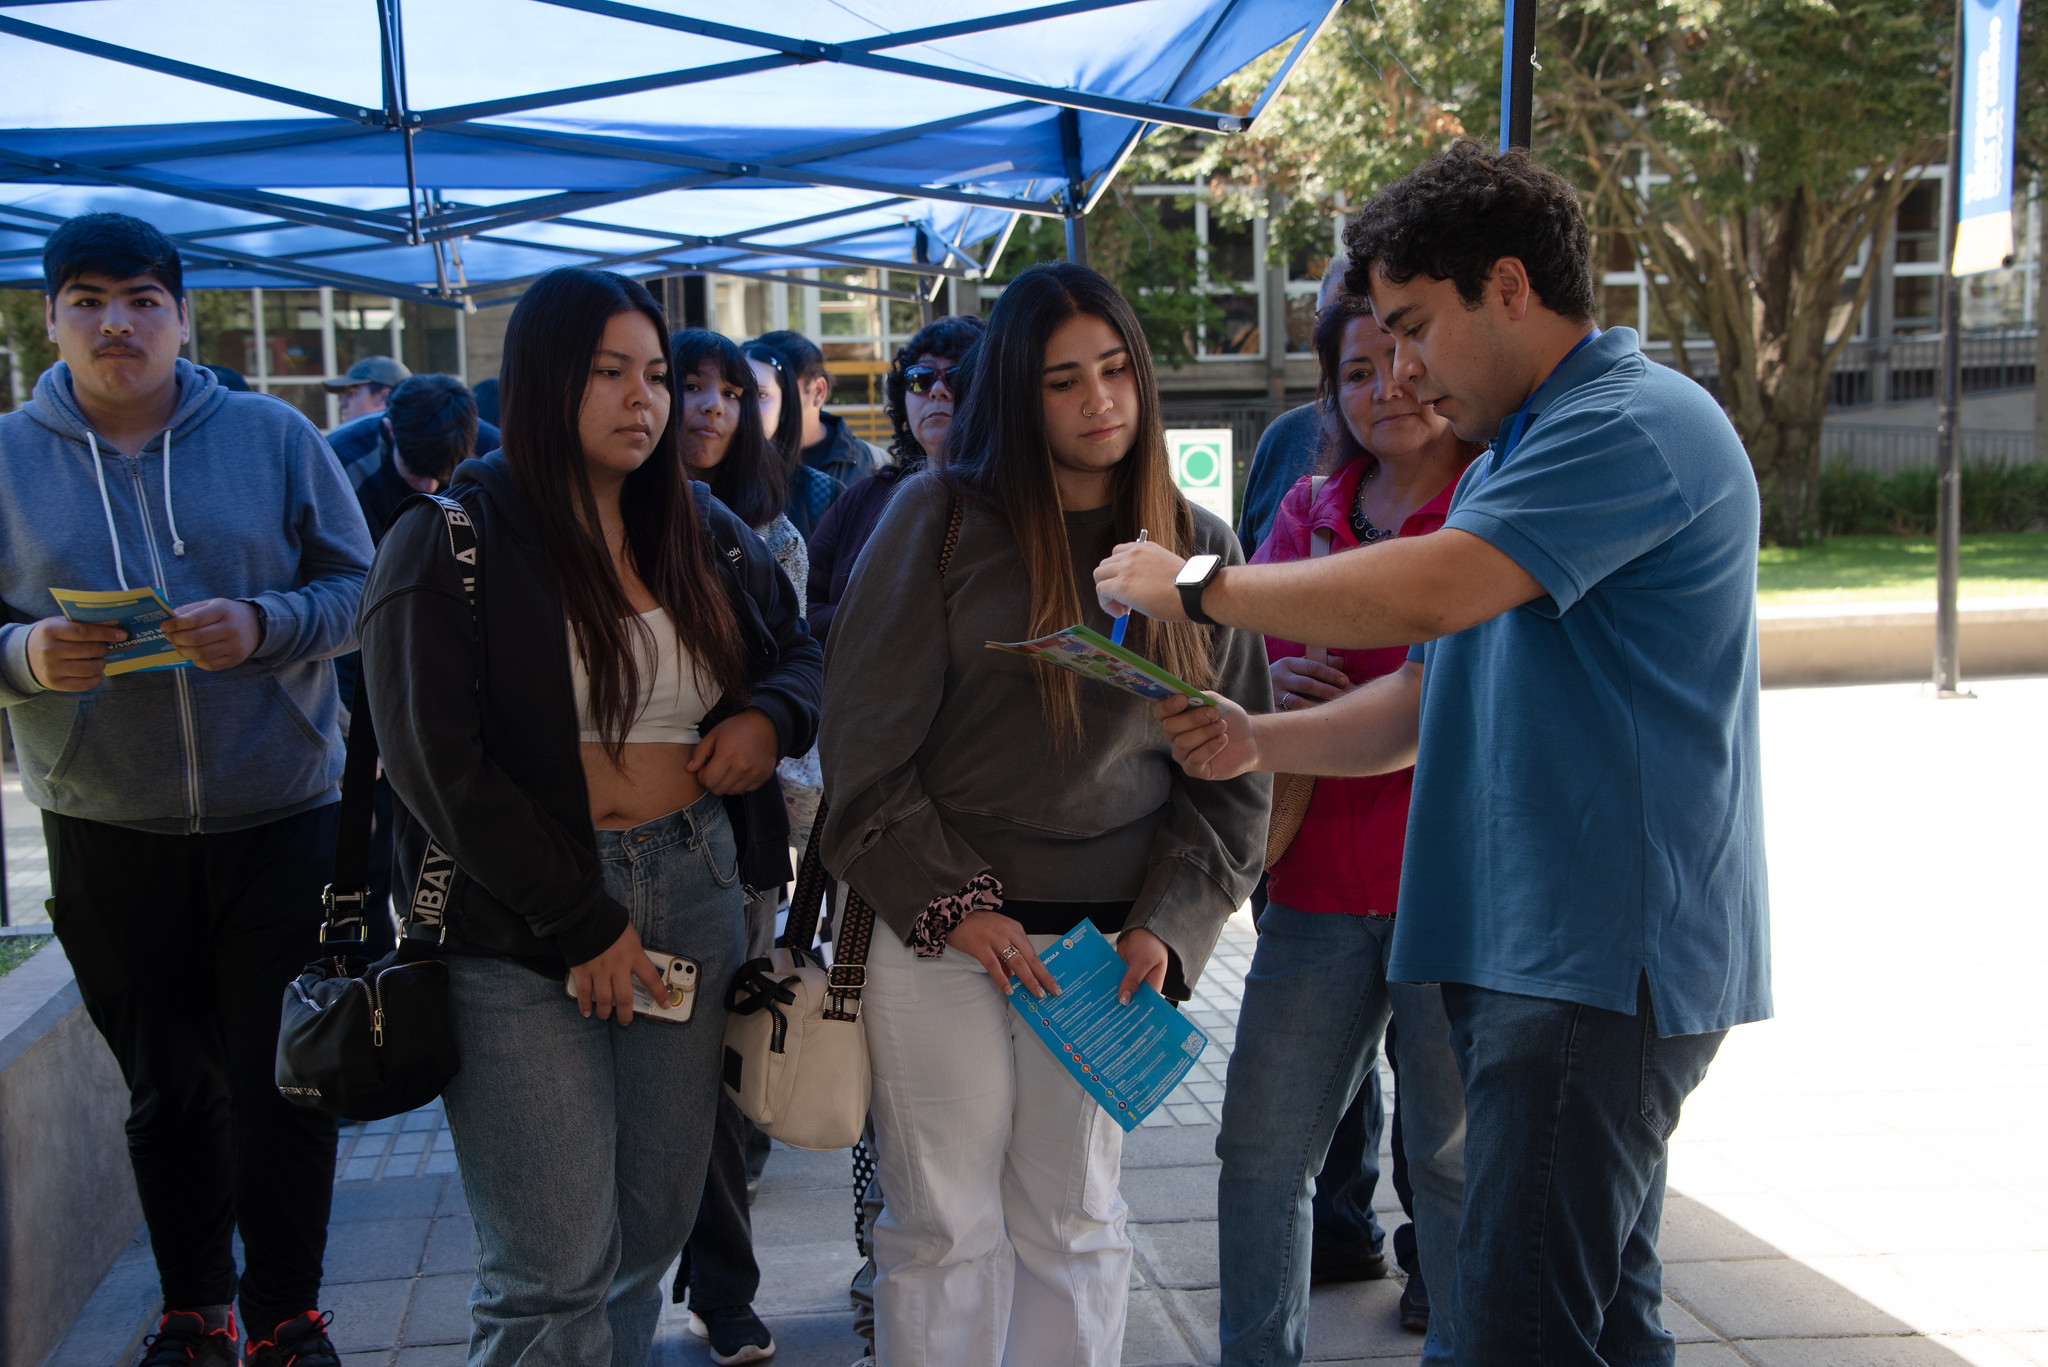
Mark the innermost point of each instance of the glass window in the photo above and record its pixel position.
(1620, 306)
(362, 327)
(428, 335)
(1914, 302)
(224, 329)
(1918, 226)
(1230, 252)
(1301, 322)
(292, 333)
(1236, 333)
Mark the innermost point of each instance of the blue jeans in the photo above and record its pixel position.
(1316, 1003)
(583, 1143)
(1571, 1111)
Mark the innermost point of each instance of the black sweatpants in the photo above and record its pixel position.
(183, 946)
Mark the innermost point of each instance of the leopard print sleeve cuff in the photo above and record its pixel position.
(936, 922)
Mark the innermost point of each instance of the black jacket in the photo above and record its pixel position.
(478, 730)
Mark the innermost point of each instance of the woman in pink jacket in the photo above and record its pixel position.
(1317, 999)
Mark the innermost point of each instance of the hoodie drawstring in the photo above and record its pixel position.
(113, 538)
(177, 545)
(106, 506)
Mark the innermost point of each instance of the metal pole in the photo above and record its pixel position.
(1948, 507)
(1077, 196)
(1517, 73)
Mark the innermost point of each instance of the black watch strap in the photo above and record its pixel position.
(1191, 599)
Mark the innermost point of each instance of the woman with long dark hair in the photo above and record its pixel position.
(811, 491)
(985, 804)
(918, 394)
(726, 445)
(563, 754)
(1317, 998)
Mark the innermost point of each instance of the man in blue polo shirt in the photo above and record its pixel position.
(1585, 866)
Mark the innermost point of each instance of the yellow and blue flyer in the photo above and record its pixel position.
(1127, 1057)
(139, 612)
(1088, 652)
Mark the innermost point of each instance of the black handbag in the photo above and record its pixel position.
(357, 1039)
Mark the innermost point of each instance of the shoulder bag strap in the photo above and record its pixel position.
(1319, 542)
(343, 899)
(849, 972)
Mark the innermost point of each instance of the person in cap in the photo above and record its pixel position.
(367, 386)
(190, 810)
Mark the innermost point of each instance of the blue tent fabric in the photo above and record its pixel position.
(450, 147)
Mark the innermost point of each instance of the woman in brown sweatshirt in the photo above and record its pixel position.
(984, 804)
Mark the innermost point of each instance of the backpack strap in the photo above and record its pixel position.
(344, 898)
(849, 972)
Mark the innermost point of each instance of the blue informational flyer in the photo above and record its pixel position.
(139, 612)
(1127, 1057)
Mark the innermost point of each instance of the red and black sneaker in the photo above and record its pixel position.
(182, 1339)
(300, 1341)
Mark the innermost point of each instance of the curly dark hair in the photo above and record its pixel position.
(950, 337)
(1456, 215)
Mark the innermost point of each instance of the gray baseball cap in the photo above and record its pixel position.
(370, 370)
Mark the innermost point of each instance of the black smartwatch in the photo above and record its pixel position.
(1196, 574)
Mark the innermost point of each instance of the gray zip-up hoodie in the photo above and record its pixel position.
(239, 498)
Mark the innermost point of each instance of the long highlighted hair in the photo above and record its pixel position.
(998, 454)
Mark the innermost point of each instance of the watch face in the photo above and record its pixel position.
(1197, 569)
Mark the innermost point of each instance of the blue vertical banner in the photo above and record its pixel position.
(1991, 64)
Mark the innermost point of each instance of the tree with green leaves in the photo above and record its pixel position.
(1747, 152)
(1743, 151)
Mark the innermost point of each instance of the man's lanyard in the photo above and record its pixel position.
(1524, 415)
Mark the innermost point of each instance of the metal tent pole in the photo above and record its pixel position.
(1076, 195)
(1517, 73)
(1948, 507)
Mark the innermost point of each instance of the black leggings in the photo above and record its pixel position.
(183, 946)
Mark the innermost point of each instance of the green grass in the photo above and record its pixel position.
(16, 949)
(1865, 569)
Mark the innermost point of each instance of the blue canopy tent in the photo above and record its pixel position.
(453, 149)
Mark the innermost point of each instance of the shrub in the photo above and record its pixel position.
(1996, 498)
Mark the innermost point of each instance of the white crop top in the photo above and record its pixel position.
(671, 704)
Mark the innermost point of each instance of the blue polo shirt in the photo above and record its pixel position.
(1587, 808)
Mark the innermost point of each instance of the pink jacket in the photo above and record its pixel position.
(1347, 858)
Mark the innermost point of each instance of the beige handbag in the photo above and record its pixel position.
(1292, 793)
(796, 1056)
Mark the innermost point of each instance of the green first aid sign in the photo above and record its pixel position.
(1200, 457)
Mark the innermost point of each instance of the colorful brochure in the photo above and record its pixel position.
(1127, 1057)
(139, 612)
(1088, 652)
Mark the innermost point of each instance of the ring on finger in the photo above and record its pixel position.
(1007, 953)
(1286, 701)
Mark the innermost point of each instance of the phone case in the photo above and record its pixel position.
(678, 973)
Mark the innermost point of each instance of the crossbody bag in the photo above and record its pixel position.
(365, 1040)
(796, 1057)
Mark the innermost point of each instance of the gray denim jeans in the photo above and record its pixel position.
(583, 1143)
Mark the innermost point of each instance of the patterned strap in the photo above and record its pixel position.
(849, 973)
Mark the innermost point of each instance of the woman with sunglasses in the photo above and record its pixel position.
(985, 804)
(811, 491)
(918, 395)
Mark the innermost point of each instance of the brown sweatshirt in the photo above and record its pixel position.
(939, 765)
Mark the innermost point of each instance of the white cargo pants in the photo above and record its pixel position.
(1002, 1241)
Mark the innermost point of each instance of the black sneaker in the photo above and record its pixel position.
(737, 1335)
(183, 1340)
(1415, 1304)
(1344, 1262)
(299, 1342)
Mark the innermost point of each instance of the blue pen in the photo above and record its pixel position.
(1123, 623)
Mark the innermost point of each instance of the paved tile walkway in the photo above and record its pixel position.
(1858, 1183)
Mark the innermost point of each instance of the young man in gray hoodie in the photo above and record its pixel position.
(189, 811)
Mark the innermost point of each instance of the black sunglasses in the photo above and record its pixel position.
(920, 379)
